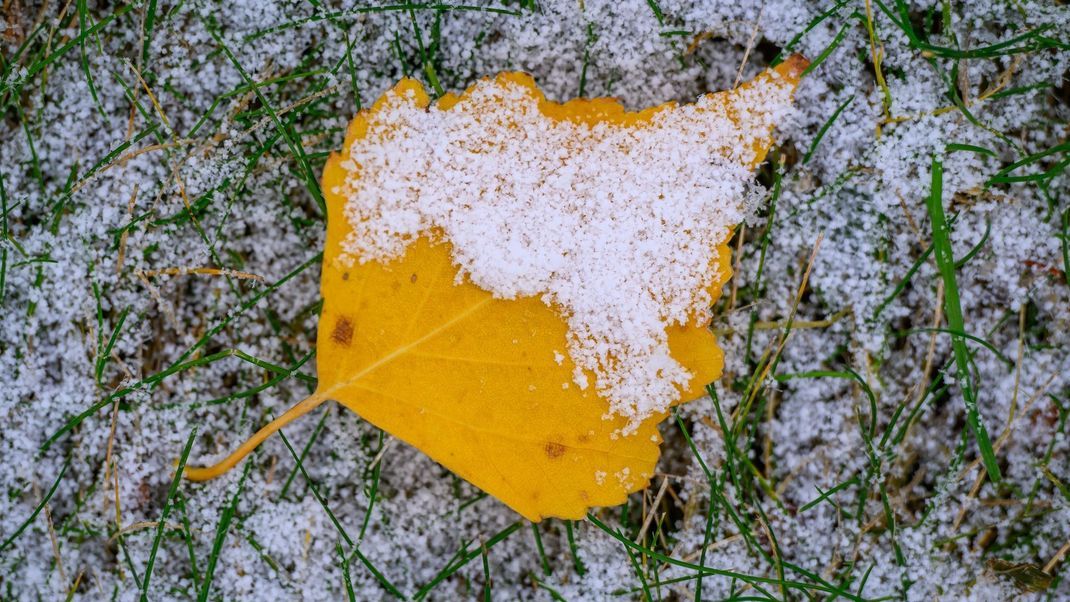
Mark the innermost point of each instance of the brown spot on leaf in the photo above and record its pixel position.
(345, 275)
(343, 332)
(412, 278)
(554, 450)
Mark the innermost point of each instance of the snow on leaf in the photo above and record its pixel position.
(479, 382)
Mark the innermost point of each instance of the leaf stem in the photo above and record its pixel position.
(298, 410)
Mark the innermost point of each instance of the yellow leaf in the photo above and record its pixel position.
(475, 381)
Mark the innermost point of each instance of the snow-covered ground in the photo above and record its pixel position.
(145, 139)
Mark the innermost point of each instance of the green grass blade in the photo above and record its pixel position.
(945, 261)
(221, 535)
(162, 522)
(33, 515)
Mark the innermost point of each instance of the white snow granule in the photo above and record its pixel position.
(615, 225)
